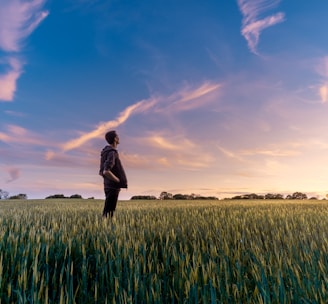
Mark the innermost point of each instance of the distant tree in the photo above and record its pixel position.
(143, 197)
(273, 196)
(3, 194)
(165, 195)
(194, 196)
(249, 196)
(313, 198)
(237, 197)
(19, 196)
(297, 195)
(181, 196)
(56, 196)
(254, 196)
(76, 196)
(207, 198)
(213, 198)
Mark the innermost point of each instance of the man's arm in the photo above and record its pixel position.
(109, 164)
(109, 174)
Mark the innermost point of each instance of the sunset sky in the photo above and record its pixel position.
(217, 98)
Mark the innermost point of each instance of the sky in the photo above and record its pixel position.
(215, 98)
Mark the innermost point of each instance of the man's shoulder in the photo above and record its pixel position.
(107, 149)
(109, 152)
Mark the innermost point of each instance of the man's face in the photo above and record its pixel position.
(116, 139)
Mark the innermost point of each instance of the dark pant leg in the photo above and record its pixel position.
(110, 201)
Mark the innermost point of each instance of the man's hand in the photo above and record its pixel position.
(111, 176)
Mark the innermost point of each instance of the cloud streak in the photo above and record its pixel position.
(185, 99)
(271, 152)
(18, 135)
(14, 174)
(18, 19)
(252, 25)
(161, 142)
(9, 79)
(191, 98)
(322, 70)
(140, 106)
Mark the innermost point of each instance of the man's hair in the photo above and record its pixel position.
(110, 136)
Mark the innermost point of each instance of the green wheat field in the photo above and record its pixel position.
(62, 251)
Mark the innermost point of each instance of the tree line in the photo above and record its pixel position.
(295, 195)
(167, 196)
(5, 195)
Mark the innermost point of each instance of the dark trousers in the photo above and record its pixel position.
(110, 201)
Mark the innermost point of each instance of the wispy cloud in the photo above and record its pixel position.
(175, 152)
(100, 130)
(14, 174)
(229, 153)
(9, 79)
(191, 98)
(252, 25)
(187, 98)
(323, 92)
(18, 135)
(322, 69)
(271, 152)
(164, 143)
(18, 19)
(14, 113)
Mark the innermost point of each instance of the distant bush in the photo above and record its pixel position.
(63, 196)
(297, 195)
(143, 197)
(76, 196)
(19, 196)
(56, 196)
(3, 194)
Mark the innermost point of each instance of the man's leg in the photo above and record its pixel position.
(105, 211)
(111, 201)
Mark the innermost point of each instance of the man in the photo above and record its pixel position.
(113, 173)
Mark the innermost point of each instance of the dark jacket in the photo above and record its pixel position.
(110, 161)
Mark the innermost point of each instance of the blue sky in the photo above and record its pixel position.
(209, 97)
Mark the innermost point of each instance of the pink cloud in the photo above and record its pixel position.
(14, 174)
(323, 91)
(14, 113)
(321, 68)
(192, 98)
(74, 160)
(252, 26)
(18, 19)
(185, 99)
(8, 80)
(19, 135)
(188, 98)
(102, 128)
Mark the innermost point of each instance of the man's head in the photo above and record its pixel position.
(111, 137)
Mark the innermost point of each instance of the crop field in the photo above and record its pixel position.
(62, 251)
